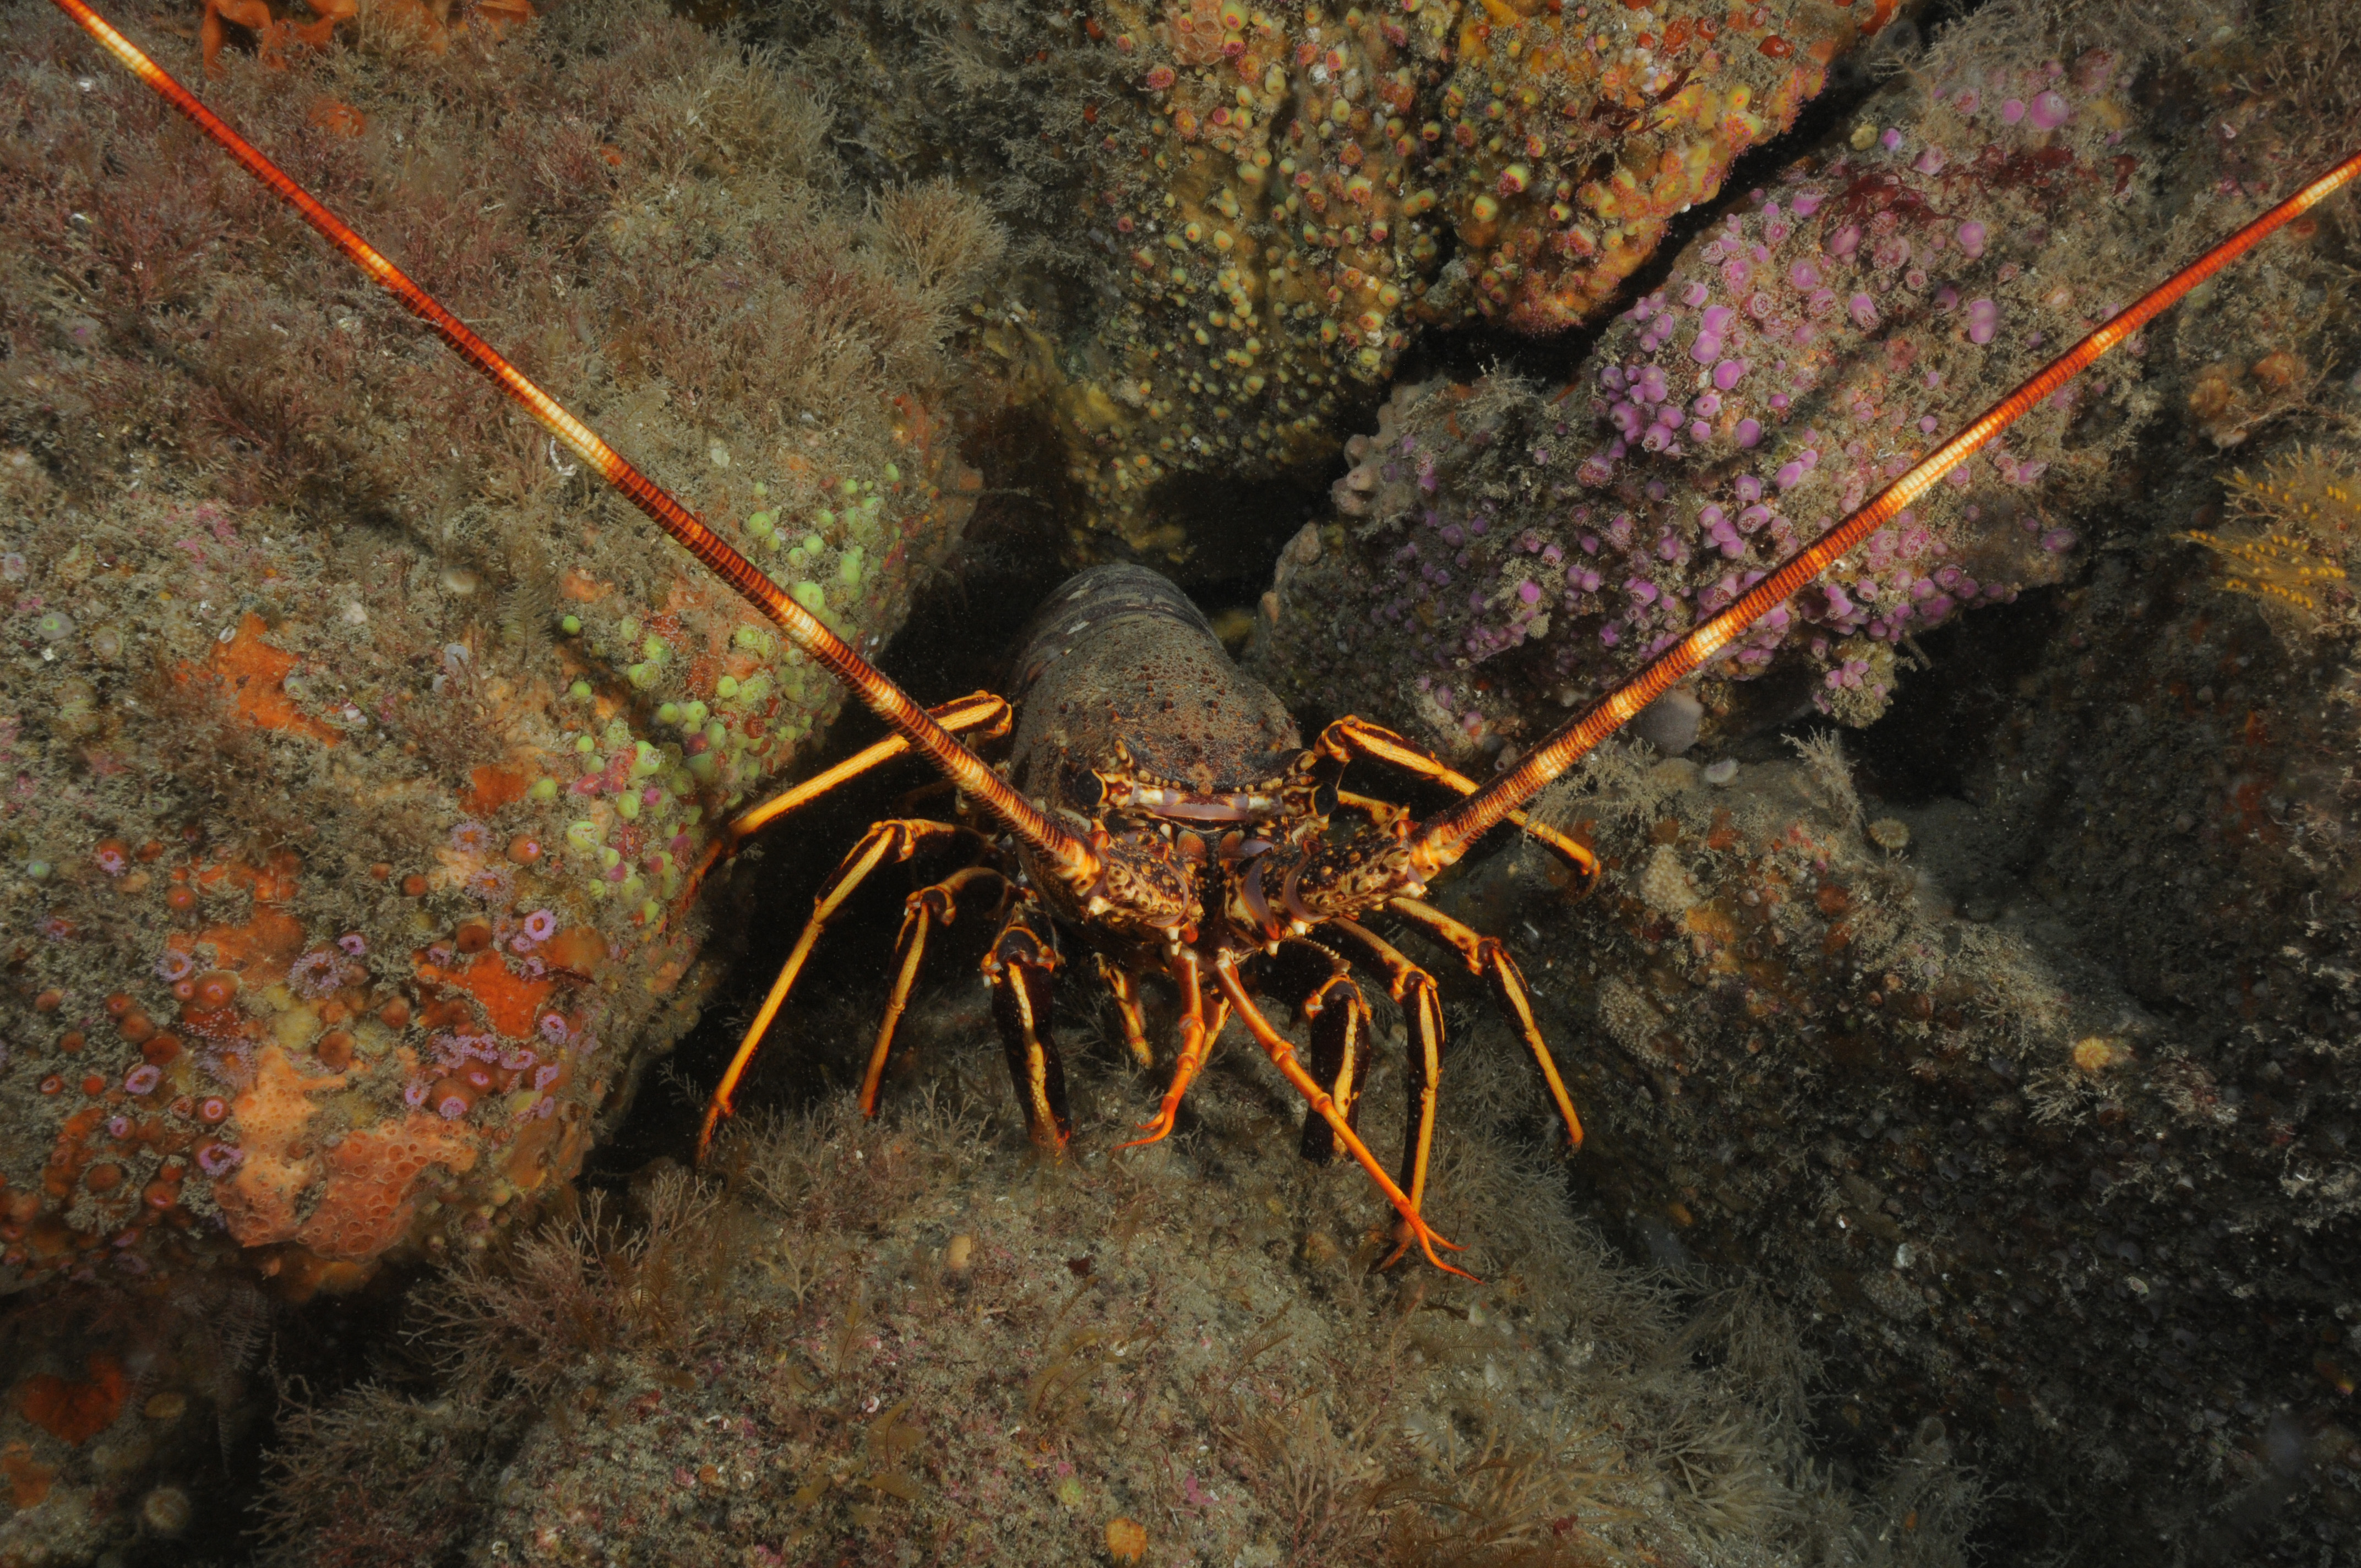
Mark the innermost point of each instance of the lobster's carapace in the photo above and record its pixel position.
(1193, 841)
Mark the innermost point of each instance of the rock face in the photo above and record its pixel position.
(2036, 1105)
(2030, 1086)
(357, 744)
(1247, 214)
(1500, 554)
(904, 1342)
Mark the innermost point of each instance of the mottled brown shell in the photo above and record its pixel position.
(1119, 662)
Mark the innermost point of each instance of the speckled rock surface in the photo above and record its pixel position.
(2035, 1101)
(355, 742)
(1247, 214)
(1499, 552)
(901, 1342)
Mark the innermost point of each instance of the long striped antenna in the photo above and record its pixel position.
(1072, 857)
(1440, 841)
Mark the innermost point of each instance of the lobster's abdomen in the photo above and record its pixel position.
(1118, 654)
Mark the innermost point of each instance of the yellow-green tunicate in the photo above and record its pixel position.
(544, 790)
(754, 639)
(583, 835)
(693, 715)
(893, 475)
(630, 628)
(726, 687)
(716, 733)
(754, 687)
(809, 595)
(645, 760)
(849, 568)
(610, 856)
(653, 648)
(583, 743)
(627, 807)
(668, 713)
(703, 766)
(643, 675)
(579, 691)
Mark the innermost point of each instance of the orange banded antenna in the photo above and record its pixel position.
(1442, 841)
(888, 701)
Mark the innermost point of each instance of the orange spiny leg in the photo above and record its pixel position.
(1339, 1016)
(1485, 955)
(1422, 1006)
(1349, 737)
(886, 840)
(983, 711)
(1196, 1043)
(1020, 964)
(1127, 1006)
(1282, 1056)
(925, 909)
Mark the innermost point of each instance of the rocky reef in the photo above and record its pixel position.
(2020, 1071)
(355, 742)
(1971, 1093)
(1501, 553)
(895, 1339)
(1246, 215)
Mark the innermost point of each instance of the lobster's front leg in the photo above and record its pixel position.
(1197, 1034)
(1127, 1006)
(1422, 1006)
(1487, 956)
(1352, 737)
(1339, 1018)
(897, 840)
(1282, 1052)
(1023, 960)
(921, 913)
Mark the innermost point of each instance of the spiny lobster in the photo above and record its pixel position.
(1159, 801)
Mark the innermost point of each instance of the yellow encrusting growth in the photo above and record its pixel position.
(2306, 520)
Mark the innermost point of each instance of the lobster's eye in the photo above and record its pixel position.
(1323, 800)
(1088, 789)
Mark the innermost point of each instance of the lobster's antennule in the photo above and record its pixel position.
(887, 700)
(1443, 839)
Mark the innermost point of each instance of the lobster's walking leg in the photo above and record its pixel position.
(1422, 1005)
(1487, 956)
(1282, 1053)
(1197, 1032)
(1350, 738)
(1127, 1006)
(1022, 958)
(896, 840)
(925, 909)
(1339, 1016)
(982, 711)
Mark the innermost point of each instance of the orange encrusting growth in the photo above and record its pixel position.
(251, 674)
(1440, 841)
(71, 1412)
(1069, 855)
